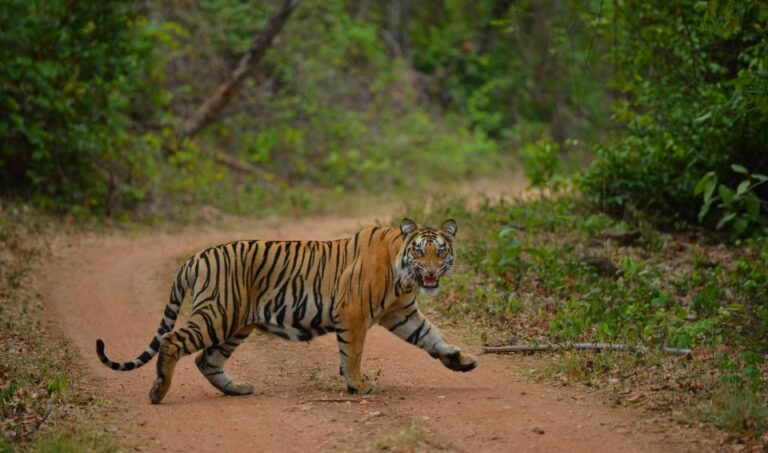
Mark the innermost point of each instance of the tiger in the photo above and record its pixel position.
(298, 290)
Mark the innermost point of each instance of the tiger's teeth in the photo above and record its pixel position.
(429, 282)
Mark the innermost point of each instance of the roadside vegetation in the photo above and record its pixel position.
(41, 395)
(553, 269)
(660, 241)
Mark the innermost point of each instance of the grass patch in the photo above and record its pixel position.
(414, 438)
(42, 406)
(737, 405)
(737, 409)
(68, 439)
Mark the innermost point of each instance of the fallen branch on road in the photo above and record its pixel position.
(510, 349)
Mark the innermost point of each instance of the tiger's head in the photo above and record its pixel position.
(427, 253)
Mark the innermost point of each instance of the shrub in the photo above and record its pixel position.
(694, 99)
(75, 80)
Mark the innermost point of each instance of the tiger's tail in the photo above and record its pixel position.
(178, 290)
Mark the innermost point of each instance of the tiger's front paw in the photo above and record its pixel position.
(362, 390)
(459, 361)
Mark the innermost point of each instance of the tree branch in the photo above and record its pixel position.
(209, 109)
(270, 180)
(577, 346)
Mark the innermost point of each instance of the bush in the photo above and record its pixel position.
(76, 78)
(694, 99)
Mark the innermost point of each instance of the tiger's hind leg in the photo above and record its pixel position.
(211, 360)
(188, 339)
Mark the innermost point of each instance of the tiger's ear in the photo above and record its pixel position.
(407, 226)
(450, 227)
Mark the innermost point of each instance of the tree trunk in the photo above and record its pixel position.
(362, 9)
(398, 14)
(209, 110)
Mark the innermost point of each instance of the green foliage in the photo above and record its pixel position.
(737, 404)
(516, 69)
(742, 373)
(550, 270)
(56, 386)
(541, 161)
(740, 207)
(694, 100)
(75, 78)
(92, 132)
(543, 259)
(38, 382)
(383, 93)
(335, 112)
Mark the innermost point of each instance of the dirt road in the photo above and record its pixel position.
(115, 286)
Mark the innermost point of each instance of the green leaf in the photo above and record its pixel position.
(743, 187)
(703, 182)
(709, 190)
(740, 225)
(726, 194)
(506, 232)
(739, 169)
(702, 118)
(759, 177)
(705, 209)
(725, 219)
(752, 205)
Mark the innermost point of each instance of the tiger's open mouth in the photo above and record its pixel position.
(429, 282)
